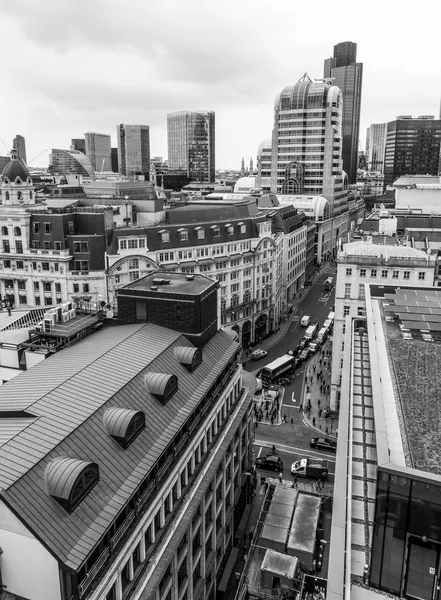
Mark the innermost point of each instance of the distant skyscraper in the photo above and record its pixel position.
(19, 144)
(375, 146)
(133, 149)
(114, 155)
(412, 147)
(70, 162)
(78, 144)
(306, 144)
(347, 74)
(98, 151)
(191, 143)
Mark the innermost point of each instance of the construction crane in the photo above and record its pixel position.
(6, 148)
(38, 155)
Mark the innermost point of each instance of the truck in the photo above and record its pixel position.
(310, 467)
(329, 283)
(311, 331)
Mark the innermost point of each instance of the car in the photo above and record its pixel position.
(270, 462)
(314, 346)
(257, 354)
(305, 321)
(304, 354)
(320, 443)
(302, 345)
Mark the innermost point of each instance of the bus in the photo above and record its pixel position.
(282, 366)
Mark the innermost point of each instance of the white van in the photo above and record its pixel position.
(306, 320)
(322, 334)
(311, 331)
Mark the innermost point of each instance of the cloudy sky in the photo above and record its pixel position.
(70, 66)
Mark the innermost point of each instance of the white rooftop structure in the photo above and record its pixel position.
(314, 207)
(385, 251)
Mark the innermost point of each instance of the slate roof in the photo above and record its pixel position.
(69, 395)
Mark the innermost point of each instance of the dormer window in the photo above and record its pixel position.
(201, 233)
(161, 385)
(124, 425)
(183, 235)
(70, 480)
(165, 236)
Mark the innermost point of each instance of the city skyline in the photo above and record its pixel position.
(84, 76)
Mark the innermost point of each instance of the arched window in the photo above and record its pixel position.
(82, 486)
(17, 231)
(69, 480)
(30, 195)
(5, 229)
(19, 195)
(124, 425)
(247, 297)
(7, 195)
(234, 300)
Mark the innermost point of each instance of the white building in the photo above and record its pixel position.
(418, 192)
(389, 266)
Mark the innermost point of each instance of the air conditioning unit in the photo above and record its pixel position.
(72, 313)
(65, 317)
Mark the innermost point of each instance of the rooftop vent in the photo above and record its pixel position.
(160, 281)
(189, 277)
(154, 287)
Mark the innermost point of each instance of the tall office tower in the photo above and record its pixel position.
(98, 151)
(412, 147)
(133, 149)
(19, 144)
(306, 142)
(191, 143)
(347, 74)
(375, 146)
(114, 156)
(78, 144)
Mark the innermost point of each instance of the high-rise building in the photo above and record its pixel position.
(68, 162)
(98, 150)
(191, 143)
(78, 144)
(412, 147)
(114, 156)
(375, 146)
(347, 74)
(306, 142)
(19, 144)
(133, 149)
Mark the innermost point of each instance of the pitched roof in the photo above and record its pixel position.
(69, 395)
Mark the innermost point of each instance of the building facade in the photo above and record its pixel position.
(149, 508)
(191, 144)
(412, 147)
(307, 143)
(376, 146)
(19, 144)
(133, 149)
(347, 74)
(70, 162)
(98, 150)
(380, 261)
(78, 144)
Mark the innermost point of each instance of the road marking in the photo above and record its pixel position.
(293, 400)
(294, 450)
(260, 452)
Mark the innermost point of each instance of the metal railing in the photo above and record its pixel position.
(122, 529)
(82, 587)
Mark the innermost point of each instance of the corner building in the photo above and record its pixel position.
(307, 145)
(139, 494)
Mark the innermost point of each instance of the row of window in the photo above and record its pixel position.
(385, 273)
(216, 231)
(17, 231)
(132, 243)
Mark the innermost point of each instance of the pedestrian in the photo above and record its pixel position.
(320, 412)
(313, 421)
(320, 362)
(267, 415)
(292, 419)
(327, 387)
(245, 547)
(307, 388)
(294, 483)
(318, 376)
(326, 431)
(237, 576)
(314, 368)
(284, 419)
(280, 476)
(245, 557)
(318, 402)
(272, 418)
(250, 536)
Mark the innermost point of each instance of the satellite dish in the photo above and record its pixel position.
(109, 314)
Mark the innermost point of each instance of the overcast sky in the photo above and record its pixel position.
(71, 66)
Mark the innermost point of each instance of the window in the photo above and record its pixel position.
(346, 311)
(47, 227)
(35, 244)
(361, 291)
(7, 263)
(347, 290)
(134, 263)
(141, 243)
(22, 299)
(243, 229)
(17, 231)
(85, 288)
(47, 286)
(58, 287)
(362, 272)
(21, 285)
(373, 272)
(37, 300)
(45, 266)
(76, 288)
(183, 235)
(216, 232)
(165, 236)
(82, 486)
(234, 288)
(406, 274)
(80, 265)
(421, 275)
(230, 230)
(395, 274)
(384, 273)
(201, 234)
(6, 247)
(36, 286)
(348, 272)
(20, 264)
(70, 227)
(132, 244)
(46, 245)
(82, 247)
(57, 245)
(5, 231)
(48, 301)
(133, 275)
(123, 244)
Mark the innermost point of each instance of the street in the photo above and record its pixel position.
(293, 439)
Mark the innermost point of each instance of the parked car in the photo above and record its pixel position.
(270, 462)
(304, 354)
(258, 354)
(302, 345)
(306, 320)
(321, 443)
(314, 346)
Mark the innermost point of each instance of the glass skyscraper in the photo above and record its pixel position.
(191, 144)
(133, 149)
(98, 151)
(66, 162)
(412, 147)
(306, 142)
(347, 74)
(375, 146)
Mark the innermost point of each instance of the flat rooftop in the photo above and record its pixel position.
(176, 283)
(412, 329)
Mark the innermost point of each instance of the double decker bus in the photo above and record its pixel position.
(281, 367)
